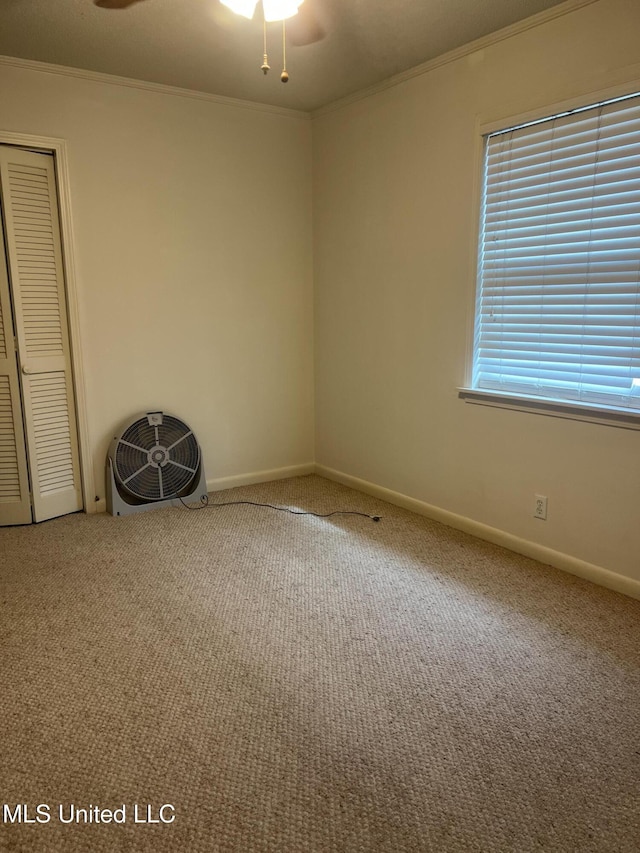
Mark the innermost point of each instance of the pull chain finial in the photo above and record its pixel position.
(285, 74)
(265, 62)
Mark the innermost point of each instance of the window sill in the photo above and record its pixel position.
(604, 415)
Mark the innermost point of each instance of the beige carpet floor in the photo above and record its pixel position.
(293, 684)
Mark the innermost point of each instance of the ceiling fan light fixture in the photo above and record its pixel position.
(280, 10)
(272, 10)
(246, 8)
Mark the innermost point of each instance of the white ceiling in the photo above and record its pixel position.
(201, 45)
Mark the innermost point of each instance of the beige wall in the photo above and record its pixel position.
(395, 224)
(192, 222)
(194, 273)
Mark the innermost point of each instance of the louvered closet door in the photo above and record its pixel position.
(34, 256)
(15, 505)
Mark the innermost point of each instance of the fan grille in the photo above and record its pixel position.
(154, 462)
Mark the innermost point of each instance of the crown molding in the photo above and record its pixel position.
(458, 53)
(533, 21)
(143, 85)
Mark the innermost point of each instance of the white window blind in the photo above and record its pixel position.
(558, 313)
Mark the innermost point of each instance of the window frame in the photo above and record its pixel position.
(581, 411)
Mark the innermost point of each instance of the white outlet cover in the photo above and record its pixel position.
(540, 507)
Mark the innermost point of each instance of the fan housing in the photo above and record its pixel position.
(155, 460)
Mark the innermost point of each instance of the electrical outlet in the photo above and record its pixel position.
(540, 507)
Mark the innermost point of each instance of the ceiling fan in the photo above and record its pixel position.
(305, 27)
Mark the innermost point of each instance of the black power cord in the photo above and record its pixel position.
(206, 504)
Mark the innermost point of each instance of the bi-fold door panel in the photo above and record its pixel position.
(34, 255)
(15, 505)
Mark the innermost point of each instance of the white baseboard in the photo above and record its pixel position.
(220, 483)
(573, 565)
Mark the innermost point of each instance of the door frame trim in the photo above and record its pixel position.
(58, 147)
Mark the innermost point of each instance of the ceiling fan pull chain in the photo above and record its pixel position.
(265, 62)
(285, 74)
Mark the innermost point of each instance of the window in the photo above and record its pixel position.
(558, 310)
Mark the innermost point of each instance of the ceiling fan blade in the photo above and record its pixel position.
(307, 27)
(114, 4)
